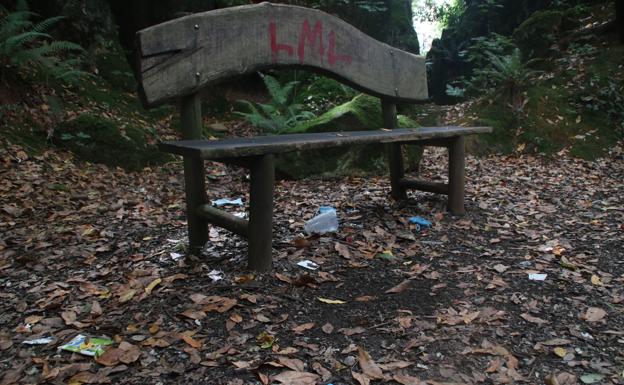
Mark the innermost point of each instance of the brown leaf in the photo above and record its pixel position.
(110, 357)
(400, 288)
(303, 327)
(291, 363)
(343, 250)
(301, 242)
(130, 355)
(193, 314)
(594, 314)
(407, 380)
(96, 309)
(368, 366)
(352, 331)
(362, 379)
(69, 317)
(529, 318)
(394, 365)
(324, 373)
(191, 341)
(263, 378)
(291, 377)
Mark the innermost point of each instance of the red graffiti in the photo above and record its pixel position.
(308, 37)
(275, 47)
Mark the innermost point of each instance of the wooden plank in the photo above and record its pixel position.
(456, 176)
(262, 180)
(224, 219)
(434, 187)
(194, 176)
(395, 156)
(244, 147)
(183, 55)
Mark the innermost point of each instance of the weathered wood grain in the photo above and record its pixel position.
(259, 145)
(183, 55)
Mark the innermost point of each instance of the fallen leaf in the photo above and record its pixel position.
(592, 378)
(400, 288)
(130, 355)
(152, 285)
(407, 380)
(291, 363)
(291, 377)
(303, 327)
(327, 328)
(532, 319)
(352, 331)
(368, 366)
(343, 250)
(561, 352)
(362, 379)
(331, 301)
(594, 314)
(110, 357)
(595, 280)
(191, 341)
(127, 295)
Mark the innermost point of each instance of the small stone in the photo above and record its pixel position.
(349, 361)
(138, 337)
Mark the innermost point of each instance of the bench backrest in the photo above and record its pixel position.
(181, 56)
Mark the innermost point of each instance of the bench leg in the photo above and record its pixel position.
(261, 212)
(456, 176)
(195, 196)
(397, 172)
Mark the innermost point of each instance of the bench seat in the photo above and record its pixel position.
(275, 144)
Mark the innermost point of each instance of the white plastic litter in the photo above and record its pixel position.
(307, 264)
(39, 341)
(215, 275)
(226, 201)
(537, 277)
(326, 222)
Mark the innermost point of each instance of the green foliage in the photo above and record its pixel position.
(321, 93)
(97, 139)
(537, 34)
(507, 75)
(28, 48)
(606, 98)
(281, 114)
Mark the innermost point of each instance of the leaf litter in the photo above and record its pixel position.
(387, 303)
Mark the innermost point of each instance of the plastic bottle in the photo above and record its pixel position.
(325, 222)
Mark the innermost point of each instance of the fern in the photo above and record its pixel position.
(29, 49)
(280, 114)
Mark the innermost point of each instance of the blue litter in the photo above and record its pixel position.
(420, 222)
(325, 209)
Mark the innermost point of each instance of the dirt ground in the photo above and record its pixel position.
(526, 288)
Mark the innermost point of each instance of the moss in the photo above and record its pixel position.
(97, 139)
(537, 33)
(361, 113)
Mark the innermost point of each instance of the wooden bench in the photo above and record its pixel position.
(180, 57)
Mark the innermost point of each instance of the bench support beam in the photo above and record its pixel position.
(262, 183)
(456, 176)
(194, 175)
(423, 185)
(224, 219)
